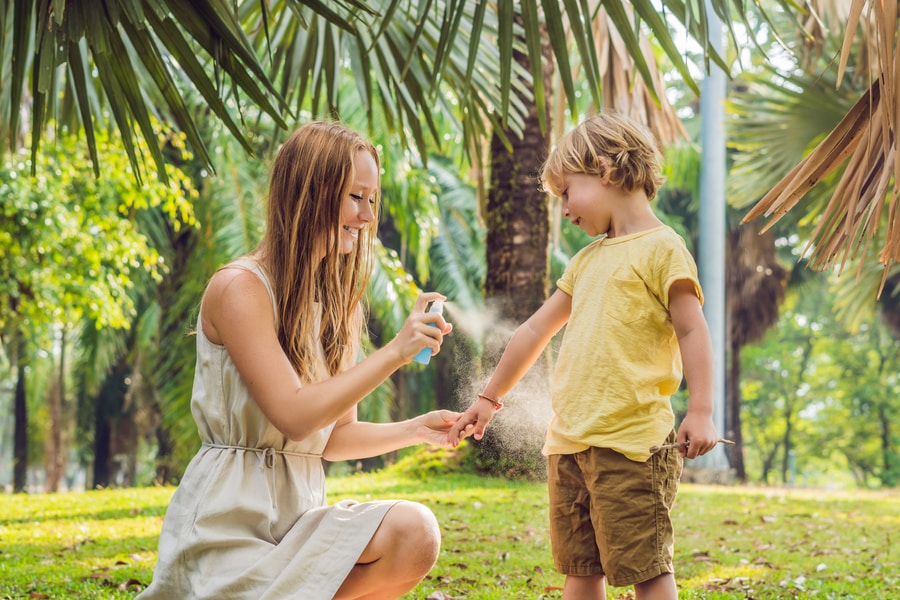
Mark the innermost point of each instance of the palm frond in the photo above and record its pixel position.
(620, 55)
(123, 43)
(455, 270)
(865, 140)
(392, 291)
(854, 301)
(774, 119)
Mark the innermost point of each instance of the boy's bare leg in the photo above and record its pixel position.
(592, 587)
(661, 587)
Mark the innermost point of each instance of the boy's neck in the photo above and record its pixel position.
(632, 215)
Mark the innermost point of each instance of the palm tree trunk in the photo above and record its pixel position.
(755, 289)
(518, 214)
(518, 234)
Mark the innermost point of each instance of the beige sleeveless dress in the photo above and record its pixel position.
(249, 519)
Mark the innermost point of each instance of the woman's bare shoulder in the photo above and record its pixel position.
(233, 294)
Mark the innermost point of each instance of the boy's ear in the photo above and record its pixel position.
(606, 168)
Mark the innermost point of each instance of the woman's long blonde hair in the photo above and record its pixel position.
(310, 178)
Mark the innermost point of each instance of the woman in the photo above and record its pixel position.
(276, 387)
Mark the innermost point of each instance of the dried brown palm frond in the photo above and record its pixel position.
(626, 92)
(623, 81)
(818, 22)
(869, 187)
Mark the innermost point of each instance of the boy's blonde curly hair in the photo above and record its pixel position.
(606, 143)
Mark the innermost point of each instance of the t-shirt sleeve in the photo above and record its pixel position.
(674, 262)
(566, 282)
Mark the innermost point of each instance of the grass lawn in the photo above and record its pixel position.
(731, 542)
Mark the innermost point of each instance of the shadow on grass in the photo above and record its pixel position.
(87, 550)
(158, 510)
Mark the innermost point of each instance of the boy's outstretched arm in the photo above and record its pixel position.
(696, 355)
(523, 349)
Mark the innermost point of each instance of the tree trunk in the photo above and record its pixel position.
(518, 233)
(107, 408)
(755, 289)
(790, 410)
(787, 442)
(164, 448)
(733, 414)
(768, 464)
(54, 461)
(885, 428)
(20, 434)
(101, 468)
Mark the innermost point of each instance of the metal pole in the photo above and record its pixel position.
(711, 259)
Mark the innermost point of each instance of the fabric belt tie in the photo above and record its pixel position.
(267, 461)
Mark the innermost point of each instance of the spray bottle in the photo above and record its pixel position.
(424, 355)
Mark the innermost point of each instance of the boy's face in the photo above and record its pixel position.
(585, 202)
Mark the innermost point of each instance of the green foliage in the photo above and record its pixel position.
(425, 462)
(826, 392)
(731, 543)
(77, 254)
(525, 463)
(69, 245)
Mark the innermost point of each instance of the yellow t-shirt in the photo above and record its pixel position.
(619, 361)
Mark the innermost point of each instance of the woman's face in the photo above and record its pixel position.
(358, 207)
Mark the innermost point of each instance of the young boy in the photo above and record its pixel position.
(632, 301)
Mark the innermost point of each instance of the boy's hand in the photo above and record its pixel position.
(700, 430)
(472, 422)
(434, 426)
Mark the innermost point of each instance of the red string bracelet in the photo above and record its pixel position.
(497, 405)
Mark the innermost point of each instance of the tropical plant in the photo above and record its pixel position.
(862, 141)
(413, 48)
(820, 397)
(71, 253)
(780, 111)
(410, 62)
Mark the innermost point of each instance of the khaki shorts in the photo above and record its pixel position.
(610, 515)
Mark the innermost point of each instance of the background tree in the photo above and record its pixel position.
(821, 394)
(862, 142)
(410, 64)
(801, 96)
(71, 253)
(779, 383)
(135, 45)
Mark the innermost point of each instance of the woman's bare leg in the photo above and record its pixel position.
(401, 553)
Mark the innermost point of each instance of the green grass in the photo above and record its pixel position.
(731, 542)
